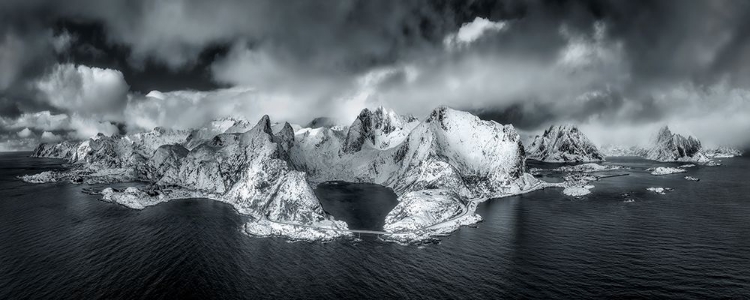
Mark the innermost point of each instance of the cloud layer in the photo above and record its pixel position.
(620, 69)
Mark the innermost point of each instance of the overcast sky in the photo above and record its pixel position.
(618, 69)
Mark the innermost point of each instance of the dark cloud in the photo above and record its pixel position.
(9, 108)
(668, 37)
(523, 115)
(92, 47)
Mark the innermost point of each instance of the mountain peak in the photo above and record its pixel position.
(439, 114)
(382, 127)
(264, 124)
(439, 111)
(563, 143)
(670, 146)
(664, 132)
(364, 113)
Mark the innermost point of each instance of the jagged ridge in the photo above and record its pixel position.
(670, 146)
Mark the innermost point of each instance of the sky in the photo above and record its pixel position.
(617, 69)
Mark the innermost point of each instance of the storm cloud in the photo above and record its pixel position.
(619, 69)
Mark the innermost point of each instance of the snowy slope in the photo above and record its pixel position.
(65, 150)
(214, 128)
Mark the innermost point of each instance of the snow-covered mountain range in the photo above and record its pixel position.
(667, 146)
(563, 143)
(436, 166)
(619, 150)
(722, 152)
(439, 167)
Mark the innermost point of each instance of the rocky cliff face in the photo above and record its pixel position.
(563, 144)
(164, 164)
(65, 150)
(669, 146)
(378, 129)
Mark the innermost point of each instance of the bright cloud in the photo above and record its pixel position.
(76, 126)
(43, 120)
(472, 31)
(50, 137)
(84, 127)
(85, 90)
(24, 133)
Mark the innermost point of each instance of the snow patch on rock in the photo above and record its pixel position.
(659, 190)
(588, 168)
(665, 170)
(578, 191)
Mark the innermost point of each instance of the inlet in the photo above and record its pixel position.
(363, 206)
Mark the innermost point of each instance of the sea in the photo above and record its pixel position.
(621, 241)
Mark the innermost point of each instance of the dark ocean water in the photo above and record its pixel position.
(694, 242)
(360, 205)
